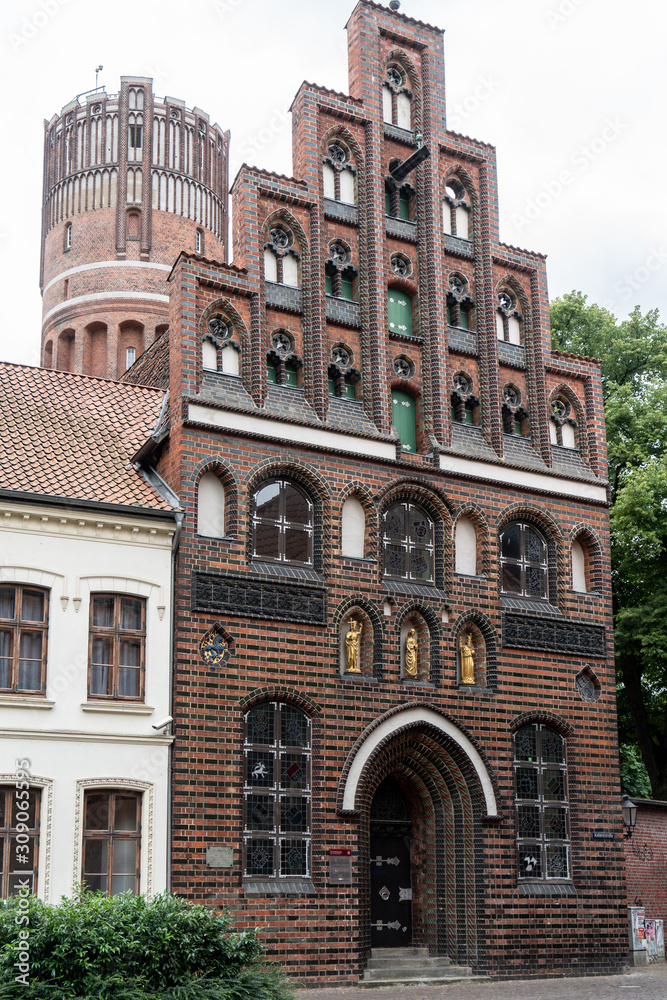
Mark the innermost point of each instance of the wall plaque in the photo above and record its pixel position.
(340, 866)
(219, 856)
(603, 835)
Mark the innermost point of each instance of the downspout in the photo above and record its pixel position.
(178, 516)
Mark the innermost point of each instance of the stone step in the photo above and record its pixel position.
(409, 962)
(398, 952)
(451, 977)
(398, 973)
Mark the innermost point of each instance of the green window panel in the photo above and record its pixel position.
(464, 321)
(399, 310)
(404, 207)
(449, 316)
(405, 419)
(270, 373)
(290, 375)
(332, 386)
(469, 413)
(387, 202)
(350, 391)
(346, 288)
(328, 284)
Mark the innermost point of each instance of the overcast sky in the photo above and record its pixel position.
(571, 92)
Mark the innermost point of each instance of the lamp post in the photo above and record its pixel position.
(629, 810)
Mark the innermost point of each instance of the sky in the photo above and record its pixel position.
(571, 92)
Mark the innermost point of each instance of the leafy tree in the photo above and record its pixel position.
(129, 948)
(633, 356)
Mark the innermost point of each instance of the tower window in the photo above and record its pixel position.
(68, 236)
(542, 821)
(130, 355)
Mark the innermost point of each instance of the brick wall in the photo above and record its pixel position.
(646, 859)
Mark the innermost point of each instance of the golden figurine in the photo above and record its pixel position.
(411, 650)
(467, 660)
(352, 647)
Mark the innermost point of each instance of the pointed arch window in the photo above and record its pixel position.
(339, 176)
(408, 544)
(282, 523)
(456, 210)
(524, 562)
(397, 98)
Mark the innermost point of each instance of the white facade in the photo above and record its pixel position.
(74, 742)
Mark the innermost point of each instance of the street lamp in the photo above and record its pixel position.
(629, 810)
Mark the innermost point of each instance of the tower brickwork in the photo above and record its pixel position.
(130, 180)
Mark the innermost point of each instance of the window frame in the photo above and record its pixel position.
(523, 564)
(8, 834)
(283, 525)
(17, 627)
(117, 634)
(278, 792)
(408, 546)
(109, 834)
(541, 803)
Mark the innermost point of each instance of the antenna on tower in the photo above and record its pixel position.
(98, 69)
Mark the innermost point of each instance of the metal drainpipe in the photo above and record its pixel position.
(174, 549)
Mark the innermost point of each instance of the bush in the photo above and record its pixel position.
(127, 948)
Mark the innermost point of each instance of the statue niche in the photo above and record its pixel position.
(471, 656)
(415, 651)
(356, 644)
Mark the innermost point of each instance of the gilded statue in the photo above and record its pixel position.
(411, 650)
(352, 647)
(467, 659)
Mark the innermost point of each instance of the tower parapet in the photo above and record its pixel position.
(130, 180)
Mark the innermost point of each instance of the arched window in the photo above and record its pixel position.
(542, 820)
(338, 174)
(210, 506)
(282, 523)
(404, 419)
(509, 321)
(578, 568)
(68, 236)
(281, 260)
(277, 792)
(354, 528)
(408, 543)
(465, 539)
(397, 98)
(209, 355)
(523, 562)
(456, 210)
(562, 424)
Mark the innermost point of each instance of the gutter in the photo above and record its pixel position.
(178, 516)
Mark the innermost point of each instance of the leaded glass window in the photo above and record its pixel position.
(542, 820)
(282, 524)
(523, 562)
(408, 544)
(277, 792)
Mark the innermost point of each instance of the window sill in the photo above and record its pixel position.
(116, 707)
(547, 889)
(276, 887)
(413, 589)
(23, 701)
(530, 606)
(292, 571)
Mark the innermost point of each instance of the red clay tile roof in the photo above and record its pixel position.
(73, 436)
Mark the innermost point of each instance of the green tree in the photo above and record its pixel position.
(127, 947)
(633, 357)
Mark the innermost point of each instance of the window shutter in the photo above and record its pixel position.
(404, 419)
(399, 309)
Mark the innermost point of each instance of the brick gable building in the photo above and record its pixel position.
(394, 691)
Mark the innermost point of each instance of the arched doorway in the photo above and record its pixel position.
(415, 774)
(390, 867)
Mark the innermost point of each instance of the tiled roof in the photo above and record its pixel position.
(72, 436)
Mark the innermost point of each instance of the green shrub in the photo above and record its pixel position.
(127, 948)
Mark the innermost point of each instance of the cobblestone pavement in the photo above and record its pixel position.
(638, 984)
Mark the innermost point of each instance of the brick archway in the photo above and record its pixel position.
(450, 792)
